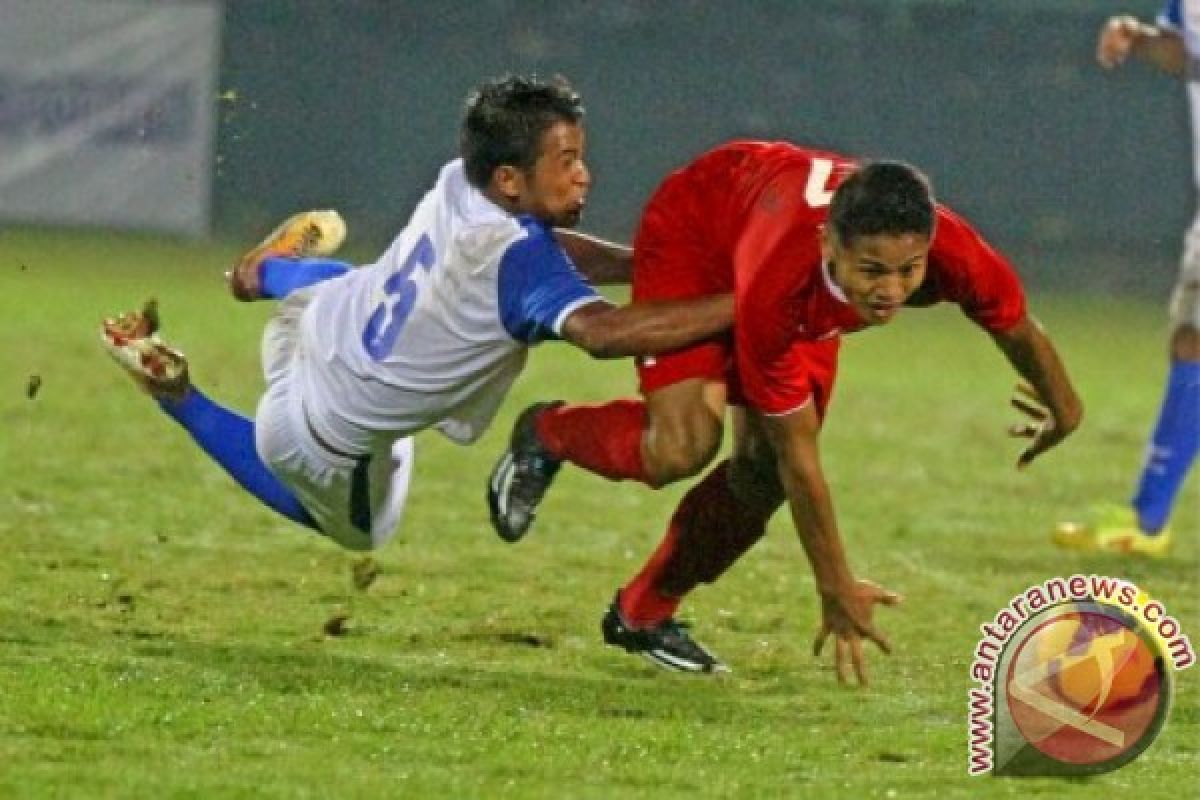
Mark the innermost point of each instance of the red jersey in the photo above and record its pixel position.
(746, 217)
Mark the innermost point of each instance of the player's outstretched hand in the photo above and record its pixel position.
(1042, 427)
(848, 616)
(1116, 41)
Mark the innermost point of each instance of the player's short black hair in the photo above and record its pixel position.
(505, 118)
(882, 197)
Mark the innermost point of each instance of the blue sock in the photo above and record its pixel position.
(1172, 448)
(228, 438)
(279, 277)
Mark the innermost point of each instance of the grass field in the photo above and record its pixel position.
(163, 636)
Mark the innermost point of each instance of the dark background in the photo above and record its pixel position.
(1083, 176)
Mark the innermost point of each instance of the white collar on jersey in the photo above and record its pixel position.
(470, 203)
(832, 286)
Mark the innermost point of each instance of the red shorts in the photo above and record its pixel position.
(673, 260)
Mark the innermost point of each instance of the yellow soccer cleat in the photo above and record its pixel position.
(1113, 529)
(303, 235)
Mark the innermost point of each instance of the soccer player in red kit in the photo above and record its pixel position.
(813, 245)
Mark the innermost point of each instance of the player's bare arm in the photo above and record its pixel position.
(1050, 401)
(604, 330)
(1124, 35)
(847, 604)
(601, 262)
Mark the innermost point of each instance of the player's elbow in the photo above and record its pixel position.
(1072, 416)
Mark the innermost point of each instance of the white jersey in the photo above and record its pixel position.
(435, 332)
(1183, 17)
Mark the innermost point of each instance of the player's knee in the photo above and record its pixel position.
(681, 464)
(675, 452)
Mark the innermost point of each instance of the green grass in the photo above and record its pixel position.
(161, 635)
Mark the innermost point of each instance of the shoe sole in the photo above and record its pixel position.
(1076, 538)
(151, 364)
(668, 662)
(310, 233)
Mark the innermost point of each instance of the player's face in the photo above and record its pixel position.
(555, 190)
(877, 273)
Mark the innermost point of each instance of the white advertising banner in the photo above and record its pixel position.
(107, 112)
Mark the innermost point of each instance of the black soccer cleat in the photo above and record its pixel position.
(521, 477)
(667, 644)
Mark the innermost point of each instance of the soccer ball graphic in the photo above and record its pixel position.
(1084, 687)
(1096, 663)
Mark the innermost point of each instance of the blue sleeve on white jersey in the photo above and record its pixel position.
(1171, 15)
(538, 286)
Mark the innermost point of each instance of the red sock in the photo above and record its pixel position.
(710, 530)
(642, 604)
(604, 439)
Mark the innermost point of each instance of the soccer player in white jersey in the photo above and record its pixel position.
(431, 335)
(1172, 45)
